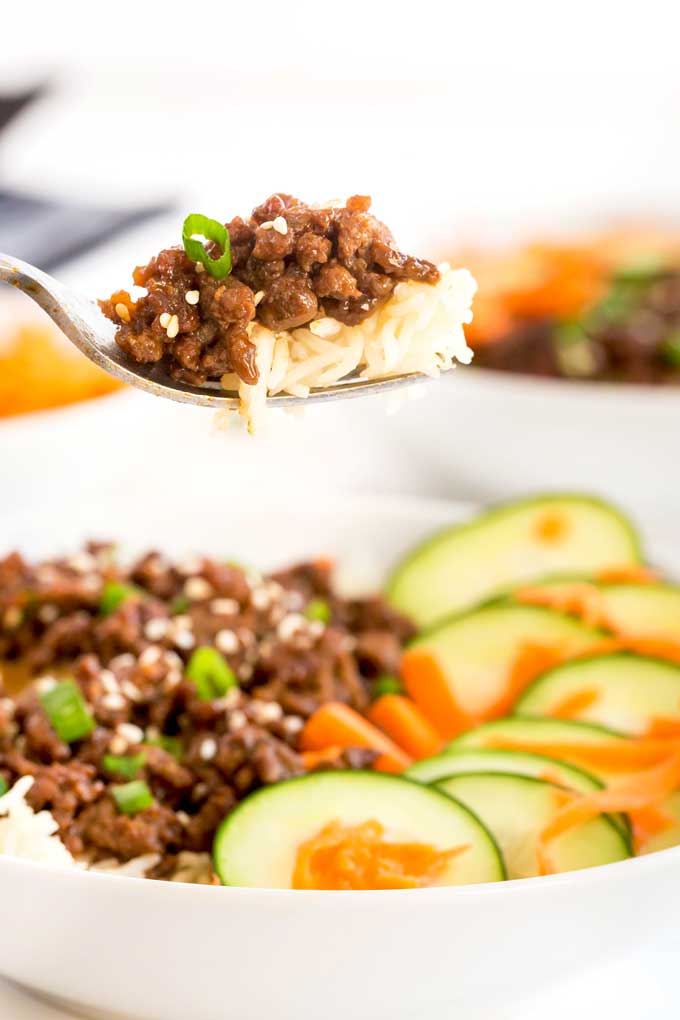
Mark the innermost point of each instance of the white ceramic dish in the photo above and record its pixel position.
(112, 947)
(499, 435)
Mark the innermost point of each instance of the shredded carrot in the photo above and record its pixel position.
(648, 822)
(613, 755)
(336, 725)
(358, 857)
(401, 719)
(531, 660)
(628, 573)
(578, 599)
(574, 704)
(312, 759)
(637, 792)
(426, 682)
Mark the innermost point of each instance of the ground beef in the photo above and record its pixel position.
(198, 756)
(291, 263)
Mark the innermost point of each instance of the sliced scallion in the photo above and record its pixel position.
(4, 787)
(114, 593)
(386, 684)
(211, 673)
(125, 765)
(196, 226)
(67, 711)
(132, 797)
(318, 609)
(671, 349)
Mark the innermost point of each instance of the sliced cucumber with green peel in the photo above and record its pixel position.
(523, 763)
(256, 845)
(641, 610)
(477, 650)
(507, 546)
(516, 809)
(624, 691)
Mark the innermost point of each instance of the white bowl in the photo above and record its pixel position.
(115, 947)
(485, 434)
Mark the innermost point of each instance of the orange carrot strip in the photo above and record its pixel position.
(572, 706)
(628, 573)
(647, 822)
(638, 791)
(401, 719)
(338, 725)
(532, 660)
(614, 755)
(312, 759)
(426, 682)
(664, 727)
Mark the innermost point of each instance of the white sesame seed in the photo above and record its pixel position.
(92, 582)
(164, 319)
(131, 733)
(230, 700)
(130, 690)
(124, 661)
(208, 749)
(280, 225)
(172, 680)
(289, 625)
(114, 701)
(122, 311)
(224, 607)
(237, 720)
(118, 744)
(182, 817)
(199, 267)
(48, 613)
(192, 297)
(265, 711)
(173, 328)
(226, 641)
(150, 657)
(173, 661)
(258, 297)
(267, 225)
(293, 724)
(82, 563)
(45, 684)
(245, 671)
(190, 565)
(156, 630)
(365, 306)
(108, 681)
(184, 639)
(260, 598)
(12, 617)
(197, 589)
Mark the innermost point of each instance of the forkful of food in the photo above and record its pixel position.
(295, 304)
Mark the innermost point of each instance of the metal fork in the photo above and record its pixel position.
(82, 321)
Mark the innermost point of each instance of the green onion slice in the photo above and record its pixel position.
(386, 684)
(67, 711)
(4, 787)
(173, 745)
(132, 797)
(195, 224)
(211, 673)
(124, 765)
(179, 605)
(318, 609)
(114, 593)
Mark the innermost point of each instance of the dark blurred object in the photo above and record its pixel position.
(47, 232)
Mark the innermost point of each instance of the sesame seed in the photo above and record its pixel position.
(172, 660)
(124, 661)
(237, 720)
(258, 297)
(197, 589)
(365, 306)
(192, 297)
(226, 641)
(280, 225)
(172, 680)
(289, 625)
(182, 817)
(208, 749)
(157, 629)
(293, 724)
(230, 700)
(245, 671)
(260, 598)
(7, 706)
(267, 225)
(173, 328)
(108, 681)
(224, 607)
(114, 701)
(48, 613)
(123, 312)
(45, 684)
(164, 319)
(199, 267)
(130, 690)
(265, 711)
(118, 744)
(133, 734)
(82, 563)
(150, 657)
(190, 565)
(184, 639)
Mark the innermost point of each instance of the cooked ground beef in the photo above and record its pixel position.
(291, 263)
(200, 756)
(632, 335)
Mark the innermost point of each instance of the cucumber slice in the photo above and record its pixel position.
(629, 691)
(508, 546)
(522, 763)
(478, 650)
(256, 844)
(516, 809)
(640, 610)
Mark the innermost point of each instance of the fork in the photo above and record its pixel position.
(84, 324)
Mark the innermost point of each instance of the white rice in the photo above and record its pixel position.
(27, 834)
(419, 329)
